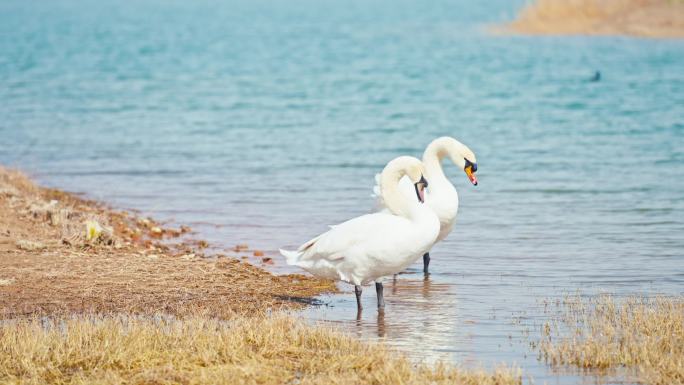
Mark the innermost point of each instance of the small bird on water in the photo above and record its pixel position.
(596, 77)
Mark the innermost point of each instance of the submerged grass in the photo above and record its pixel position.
(262, 350)
(643, 335)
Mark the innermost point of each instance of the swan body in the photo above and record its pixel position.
(441, 197)
(366, 248)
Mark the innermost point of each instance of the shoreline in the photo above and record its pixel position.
(116, 297)
(638, 18)
(100, 260)
(135, 302)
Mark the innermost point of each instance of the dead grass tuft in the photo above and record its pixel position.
(641, 334)
(650, 18)
(264, 350)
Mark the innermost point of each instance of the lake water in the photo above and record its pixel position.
(262, 122)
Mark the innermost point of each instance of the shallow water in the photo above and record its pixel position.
(263, 122)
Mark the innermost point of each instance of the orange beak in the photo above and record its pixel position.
(471, 175)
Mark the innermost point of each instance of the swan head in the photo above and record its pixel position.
(415, 170)
(470, 168)
(462, 156)
(411, 167)
(420, 187)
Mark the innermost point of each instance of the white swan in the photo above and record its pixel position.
(441, 197)
(366, 248)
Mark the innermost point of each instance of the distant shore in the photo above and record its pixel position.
(644, 18)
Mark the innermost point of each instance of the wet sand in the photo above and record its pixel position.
(644, 18)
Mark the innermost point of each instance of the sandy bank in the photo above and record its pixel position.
(48, 264)
(646, 18)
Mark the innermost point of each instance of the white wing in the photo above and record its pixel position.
(364, 248)
(377, 195)
(354, 233)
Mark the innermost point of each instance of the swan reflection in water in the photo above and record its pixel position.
(420, 316)
(407, 288)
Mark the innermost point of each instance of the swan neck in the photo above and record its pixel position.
(438, 150)
(395, 201)
(432, 160)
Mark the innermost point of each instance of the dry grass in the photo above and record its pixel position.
(643, 335)
(265, 350)
(649, 18)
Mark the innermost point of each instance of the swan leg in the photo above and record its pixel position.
(381, 297)
(426, 262)
(358, 290)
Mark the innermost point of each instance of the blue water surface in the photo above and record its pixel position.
(262, 122)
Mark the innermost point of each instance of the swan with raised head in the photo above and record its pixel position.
(441, 197)
(366, 248)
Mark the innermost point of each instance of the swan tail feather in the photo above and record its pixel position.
(310, 243)
(291, 257)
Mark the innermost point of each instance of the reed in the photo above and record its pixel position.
(643, 335)
(163, 350)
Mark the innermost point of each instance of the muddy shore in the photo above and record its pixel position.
(61, 254)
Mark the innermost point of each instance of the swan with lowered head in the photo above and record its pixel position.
(366, 248)
(441, 197)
